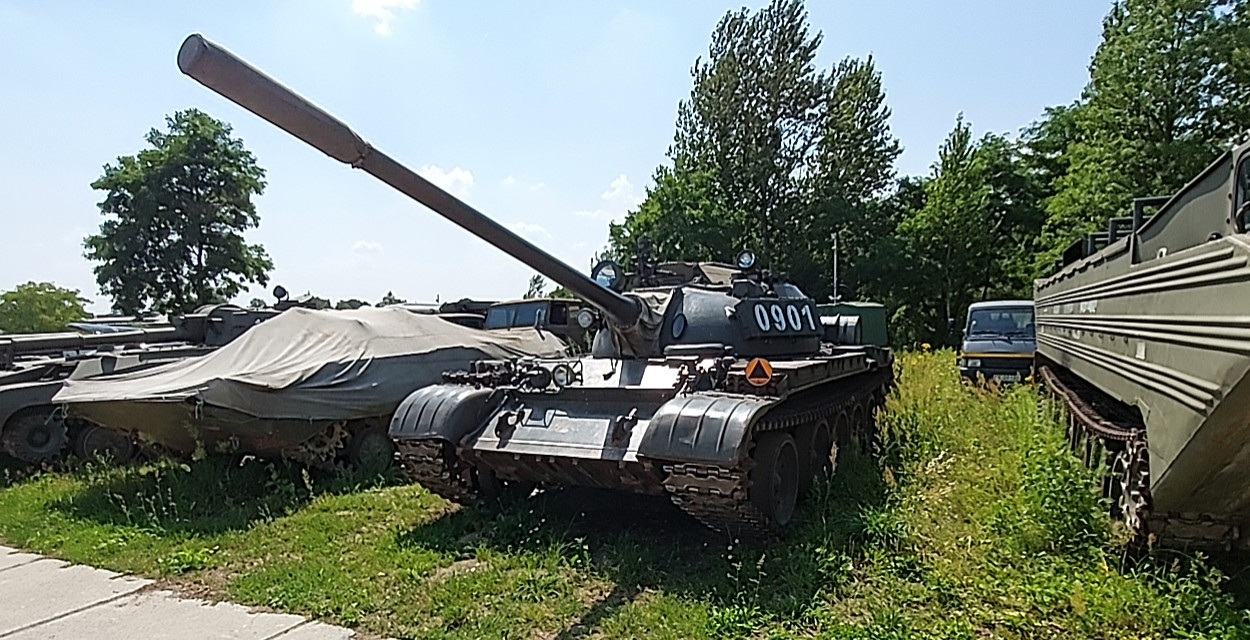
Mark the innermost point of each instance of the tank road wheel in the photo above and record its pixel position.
(97, 443)
(34, 437)
(816, 454)
(859, 427)
(371, 449)
(493, 489)
(775, 477)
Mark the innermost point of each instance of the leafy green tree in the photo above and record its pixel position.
(176, 212)
(351, 303)
(40, 307)
(257, 303)
(852, 173)
(773, 154)
(1167, 89)
(319, 303)
(535, 287)
(973, 237)
(743, 138)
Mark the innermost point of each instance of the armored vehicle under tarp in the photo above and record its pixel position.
(33, 367)
(716, 385)
(1144, 332)
(313, 386)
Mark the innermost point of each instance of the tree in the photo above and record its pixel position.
(351, 303)
(853, 170)
(774, 154)
(535, 288)
(973, 236)
(37, 307)
(743, 136)
(257, 303)
(1167, 90)
(390, 299)
(173, 239)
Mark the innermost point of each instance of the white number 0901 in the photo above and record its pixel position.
(777, 317)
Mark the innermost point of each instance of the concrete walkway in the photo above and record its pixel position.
(45, 598)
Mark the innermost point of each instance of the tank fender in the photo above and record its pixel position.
(442, 411)
(702, 429)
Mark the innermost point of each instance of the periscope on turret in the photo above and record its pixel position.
(718, 385)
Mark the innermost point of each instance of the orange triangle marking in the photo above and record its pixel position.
(759, 372)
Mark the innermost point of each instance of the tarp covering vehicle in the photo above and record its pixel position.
(305, 385)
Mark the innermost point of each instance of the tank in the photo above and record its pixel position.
(715, 385)
(34, 367)
(1144, 332)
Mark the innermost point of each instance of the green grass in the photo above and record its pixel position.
(972, 523)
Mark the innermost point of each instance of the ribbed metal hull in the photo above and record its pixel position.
(1170, 337)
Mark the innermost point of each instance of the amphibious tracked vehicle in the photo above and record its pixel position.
(716, 385)
(1144, 333)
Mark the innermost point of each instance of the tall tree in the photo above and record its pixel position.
(177, 212)
(40, 307)
(772, 153)
(973, 236)
(1166, 92)
(535, 287)
(746, 132)
(851, 173)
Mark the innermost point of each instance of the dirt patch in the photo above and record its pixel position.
(455, 568)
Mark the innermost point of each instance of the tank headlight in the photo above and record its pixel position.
(972, 363)
(746, 260)
(585, 318)
(562, 375)
(540, 378)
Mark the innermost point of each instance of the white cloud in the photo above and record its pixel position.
(620, 189)
(367, 248)
(529, 231)
(594, 213)
(457, 180)
(383, 11)
(511, 182)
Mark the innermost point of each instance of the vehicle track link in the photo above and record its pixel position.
(427, 463)
(719, 497)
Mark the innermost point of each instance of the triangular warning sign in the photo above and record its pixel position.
(759, 372)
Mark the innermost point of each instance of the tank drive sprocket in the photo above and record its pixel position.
(35, 436)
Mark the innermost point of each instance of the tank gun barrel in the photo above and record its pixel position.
(14, 345)
(239, 82)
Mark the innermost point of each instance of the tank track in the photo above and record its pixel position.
(426, 463)
(719, 497)
(1109, 438)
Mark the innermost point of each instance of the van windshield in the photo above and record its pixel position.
(1002, 321)
(506, 316)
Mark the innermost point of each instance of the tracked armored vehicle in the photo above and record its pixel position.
(34, 367)
(716, 385)
(1144, 333)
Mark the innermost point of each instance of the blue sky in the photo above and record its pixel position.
(549, 116)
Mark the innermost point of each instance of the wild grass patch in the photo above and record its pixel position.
(972, 521)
